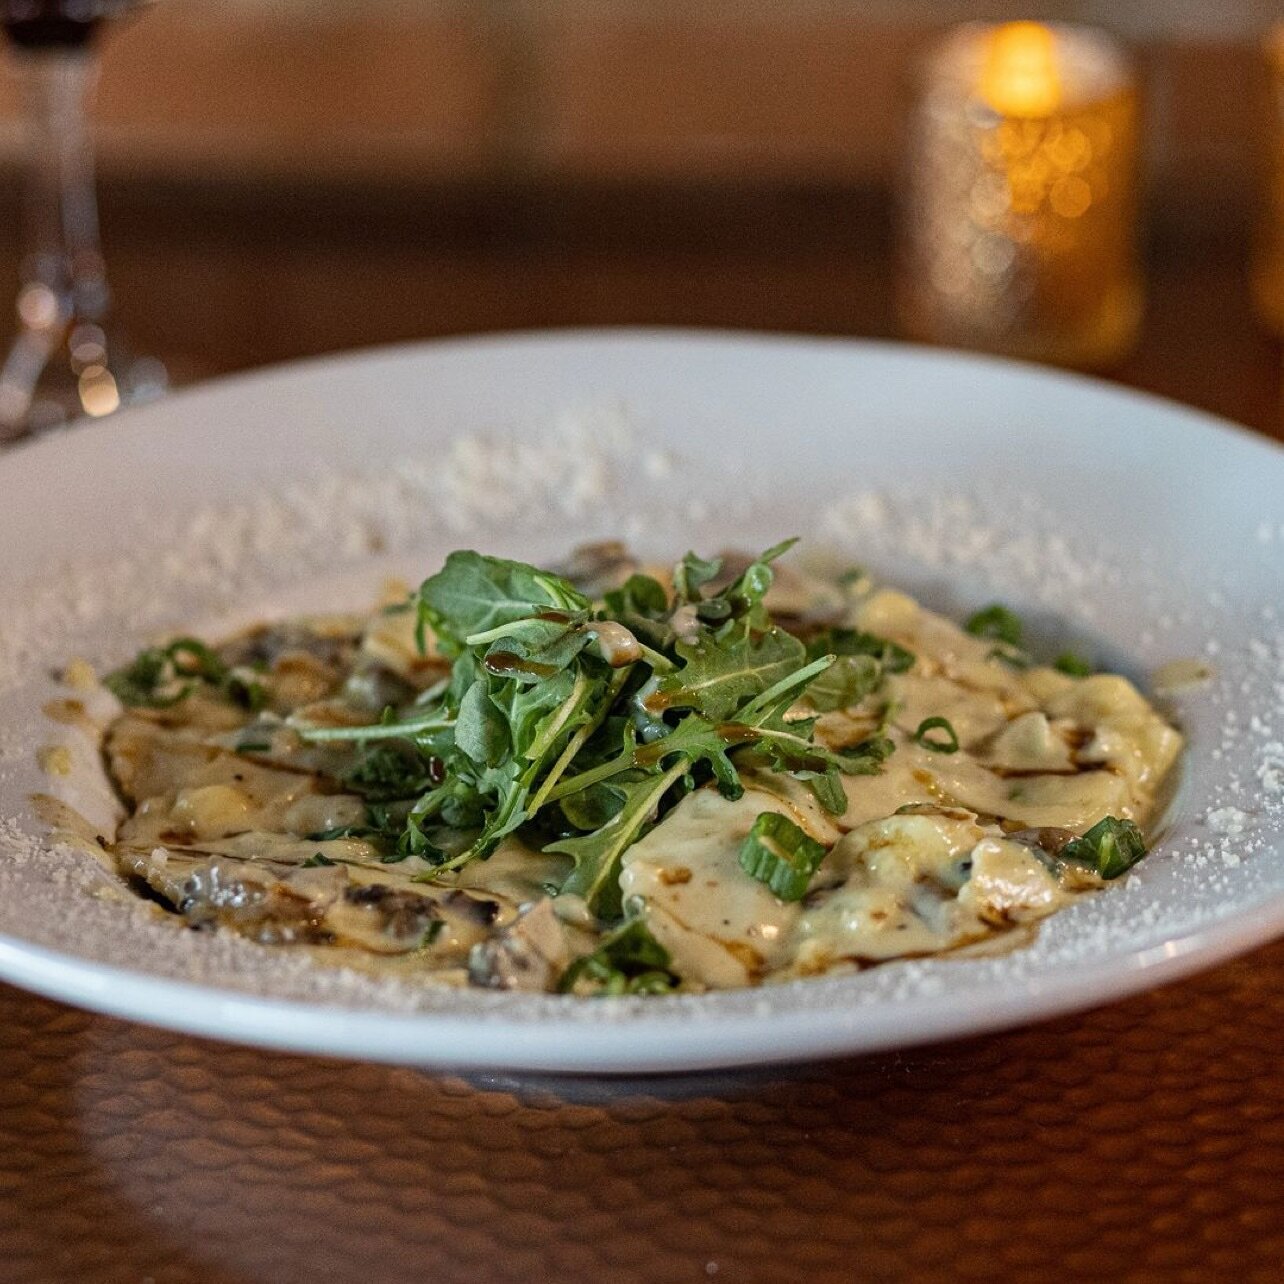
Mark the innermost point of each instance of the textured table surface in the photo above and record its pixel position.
(1143, 1141)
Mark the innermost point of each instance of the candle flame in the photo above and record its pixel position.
(1021, 77)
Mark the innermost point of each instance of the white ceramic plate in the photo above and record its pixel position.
(1142, 530)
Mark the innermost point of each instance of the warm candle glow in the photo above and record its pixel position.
(1020, 208)
(1021, 76)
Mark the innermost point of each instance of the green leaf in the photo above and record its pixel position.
(597, 855)
(628, 960)
(528, 708)
(723, 673)
(388, 770)
(691, 574)
(945, 743)
(638, 595)
(1111, 847)
(481, 730)
(996, 622)
(893, 657)
(591, 807)
(778, 853)
(846, 682)
(473, 593)
(699, 740)
(751, 586)
(791, 750)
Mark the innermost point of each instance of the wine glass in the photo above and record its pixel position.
(65, 360)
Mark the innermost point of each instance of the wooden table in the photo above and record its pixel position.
(1143, 1141)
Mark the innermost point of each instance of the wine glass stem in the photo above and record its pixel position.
(62, 252)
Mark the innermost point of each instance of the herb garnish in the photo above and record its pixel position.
(997, 622)
(628, 960)
(1074, 665)
(581, 724)
(159, 677)
(777, 852)
(1111, 847)
(863, 659)
(948, 743)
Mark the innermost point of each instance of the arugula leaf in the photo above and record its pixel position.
(777, 852)
(1111, 847)
(481, 730)
(389, 769)
(597, 855)
(691, 574)
(541, 730)
(628, 960)
(846, 682)
(699, 740)
(473, 593)
(893, 657)
(639, 595)
(380, 829)
(594, 805)
(722, 671)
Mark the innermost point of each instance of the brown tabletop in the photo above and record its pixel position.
(1142, 1141)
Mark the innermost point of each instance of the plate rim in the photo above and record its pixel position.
(309, 1026)
(615, 1047)
(624, 335)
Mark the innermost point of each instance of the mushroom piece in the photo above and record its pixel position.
(595, 569)
(530, 954)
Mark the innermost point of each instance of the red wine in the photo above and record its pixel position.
(43, 24)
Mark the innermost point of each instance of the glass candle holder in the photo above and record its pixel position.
(1268, 255)
(1019, 217)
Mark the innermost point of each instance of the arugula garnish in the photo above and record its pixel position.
(777, 852)
(862, 660)
(160, 677)
(1110, 848)
(579, 725)
(628, 960)
(390, 769)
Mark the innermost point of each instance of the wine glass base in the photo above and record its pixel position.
(50, 379)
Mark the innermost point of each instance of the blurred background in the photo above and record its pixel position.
(286, 177)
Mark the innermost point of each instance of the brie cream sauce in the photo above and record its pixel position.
(234, 821)
(1037, 750)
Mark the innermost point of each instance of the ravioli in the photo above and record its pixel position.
(295, 785)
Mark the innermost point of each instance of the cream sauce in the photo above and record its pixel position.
(921, 861)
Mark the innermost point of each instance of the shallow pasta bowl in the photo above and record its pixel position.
(1148, 532)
